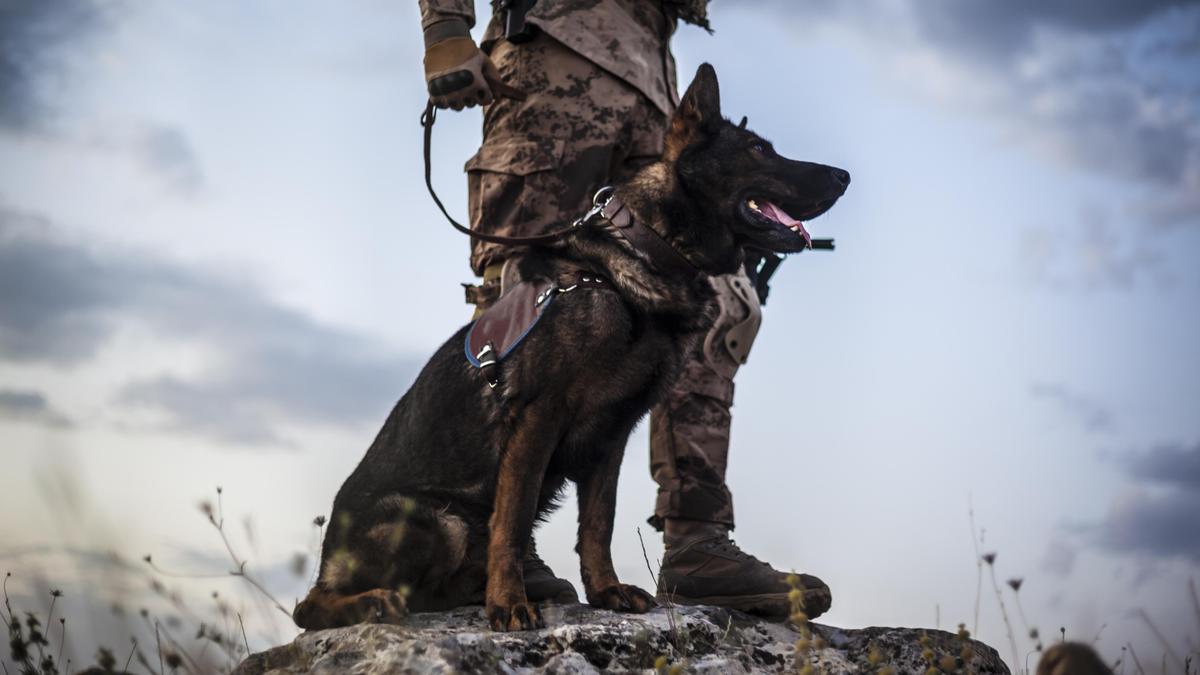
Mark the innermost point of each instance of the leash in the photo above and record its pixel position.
(639, 235)
(427, 119)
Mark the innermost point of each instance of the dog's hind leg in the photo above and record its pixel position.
(392, 559)
(331, 609)
(597, 510)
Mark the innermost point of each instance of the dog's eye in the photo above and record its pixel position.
(761, 147)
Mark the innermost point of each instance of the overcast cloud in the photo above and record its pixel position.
(1093, 416)
(39, 42)
(1111, 86)
(60, 302)
(29, 406)
(1157, 517)
(34, 37)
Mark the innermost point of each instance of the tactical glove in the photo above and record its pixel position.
(459, 75)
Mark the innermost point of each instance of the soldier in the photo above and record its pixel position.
(599, 79)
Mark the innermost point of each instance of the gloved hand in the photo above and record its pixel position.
(460, 75)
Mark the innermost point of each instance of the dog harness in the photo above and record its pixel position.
(504, 325)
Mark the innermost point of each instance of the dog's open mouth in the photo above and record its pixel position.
(772, 213)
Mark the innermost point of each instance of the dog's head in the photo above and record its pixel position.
(738, 178)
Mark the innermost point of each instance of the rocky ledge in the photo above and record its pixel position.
(581, 639)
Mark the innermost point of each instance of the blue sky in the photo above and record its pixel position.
(218, 266)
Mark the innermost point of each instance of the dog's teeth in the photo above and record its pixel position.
(752, 204)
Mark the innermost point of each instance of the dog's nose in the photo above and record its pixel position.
(841, 177)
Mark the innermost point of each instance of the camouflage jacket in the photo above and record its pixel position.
(628, 38)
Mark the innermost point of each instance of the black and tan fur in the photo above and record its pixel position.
(441, 509)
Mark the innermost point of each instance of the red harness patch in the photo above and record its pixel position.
(505, 324)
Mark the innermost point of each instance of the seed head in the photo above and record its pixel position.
(1015, 583)
(989, 558)
(319, 521)
(874, 657)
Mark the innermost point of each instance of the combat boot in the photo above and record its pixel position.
(541, 585)
(703, 566)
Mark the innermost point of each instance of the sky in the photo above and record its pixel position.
(219, 267)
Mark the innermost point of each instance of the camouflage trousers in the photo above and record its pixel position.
(540, 162)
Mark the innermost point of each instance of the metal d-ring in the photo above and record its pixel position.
(603, 196)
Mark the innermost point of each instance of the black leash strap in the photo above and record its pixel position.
(427, 119)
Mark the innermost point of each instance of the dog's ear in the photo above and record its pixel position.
(699, 111)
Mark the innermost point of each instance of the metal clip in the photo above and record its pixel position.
(599, 200)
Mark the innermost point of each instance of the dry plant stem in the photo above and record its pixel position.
(1137, 664)
(245, 640)
(129, 660)
(1195, 601)
(674, 628)
(50, 612)
(219, 523)
(978, 563)
(1004, 613)
(158, 643)
(182, 575)
(1161, 638)
(188, 662)
(312, 577)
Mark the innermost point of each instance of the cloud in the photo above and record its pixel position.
(1093, 416)
(1059, 558)
(61, 302)
(1174, 464)
(1156, 518)
(30, 406)
(38, 41)
(1110, 86)
(33, 39)
(1154, 524)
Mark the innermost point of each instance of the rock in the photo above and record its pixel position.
(581, 639)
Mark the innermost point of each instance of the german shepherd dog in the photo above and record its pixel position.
(440, 511)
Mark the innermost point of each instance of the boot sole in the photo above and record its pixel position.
(766, 604)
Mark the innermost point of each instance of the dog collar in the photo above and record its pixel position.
(662, 255)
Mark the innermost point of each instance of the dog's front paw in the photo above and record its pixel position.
(622, 598)
(518, 616)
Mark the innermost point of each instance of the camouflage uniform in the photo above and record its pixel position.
(600, 80)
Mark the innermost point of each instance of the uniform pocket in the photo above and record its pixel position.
(514, 187)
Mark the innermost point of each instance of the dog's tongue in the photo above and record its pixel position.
(782, 216)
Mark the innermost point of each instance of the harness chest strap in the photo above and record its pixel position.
(504, 325)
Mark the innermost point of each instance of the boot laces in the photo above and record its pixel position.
(726, 544)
